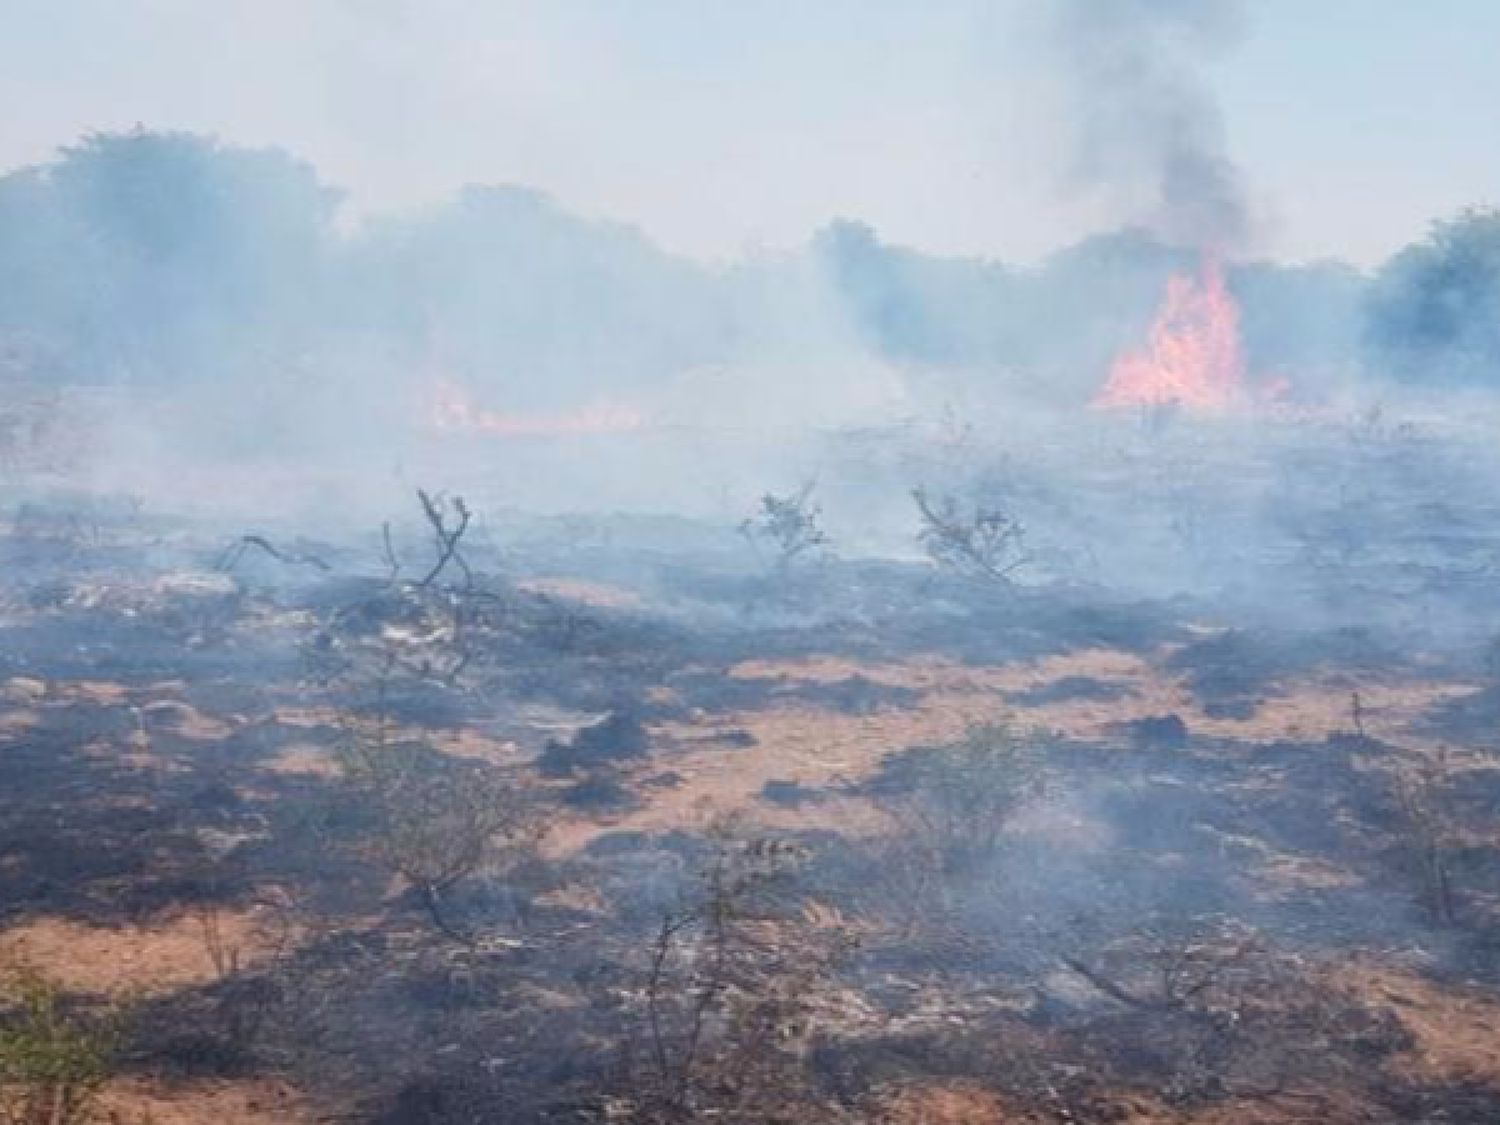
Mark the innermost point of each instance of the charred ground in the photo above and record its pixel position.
(555, 824)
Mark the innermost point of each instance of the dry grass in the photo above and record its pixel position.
(1456, 1032)
(246, 1102)
(819, 747)
(135, 961)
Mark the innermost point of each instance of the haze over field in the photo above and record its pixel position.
(718, 128)
(858, 562)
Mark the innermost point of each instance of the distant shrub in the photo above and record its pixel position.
(973, 541)
(790, 526)
(953, 803)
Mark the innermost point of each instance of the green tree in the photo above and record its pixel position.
(1433, 313)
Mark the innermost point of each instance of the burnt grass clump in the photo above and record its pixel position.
(618, 737)
(1228, 673)
(1168, 731)
(1069, 689)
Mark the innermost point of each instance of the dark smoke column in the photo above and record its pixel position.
(1148, 137)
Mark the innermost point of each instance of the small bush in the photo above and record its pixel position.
(436, 822)
(52, 1061)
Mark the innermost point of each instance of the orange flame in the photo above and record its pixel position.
(1192, 355)
(453, 411)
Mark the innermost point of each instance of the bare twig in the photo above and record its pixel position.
(388, 551)
(447, 535)
(238, 549)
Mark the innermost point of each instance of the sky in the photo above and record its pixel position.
(726, 128)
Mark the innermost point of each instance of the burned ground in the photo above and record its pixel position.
(739, 880)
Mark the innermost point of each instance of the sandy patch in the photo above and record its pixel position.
(1311, 709)
(820, 747)
(138, 960)
(600, 594)
(1457, 1032)
(248, 1102)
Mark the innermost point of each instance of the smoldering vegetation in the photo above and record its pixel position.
(217, 284)
(982, 758)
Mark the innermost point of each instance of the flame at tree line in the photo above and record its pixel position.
(1192, 354)
(452, 410)
(1192, 357)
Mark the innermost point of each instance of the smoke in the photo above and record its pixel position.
(1147, 134)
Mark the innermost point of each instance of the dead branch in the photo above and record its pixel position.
(1105, 985)
(388, 552)
(447, 536)
(237, 550)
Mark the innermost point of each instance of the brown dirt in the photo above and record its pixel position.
(818, 746)
(306, 760)
(134, 961)
(1456, 1031)
(945, 1105)
(1311, 709)
(580, 590)
(140, 1101)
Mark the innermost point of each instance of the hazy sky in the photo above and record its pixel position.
(726, 126)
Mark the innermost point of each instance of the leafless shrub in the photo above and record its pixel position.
(1421, 792)
(429, 629)
(952, 804)
(977, 542)
(1176, 964)
(730, 978)
(436, 822)
(449, 519)
(1215, 999)
(789, 525)
(237, 550)
(245, 995)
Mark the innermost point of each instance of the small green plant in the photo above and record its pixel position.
(53, 1061)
